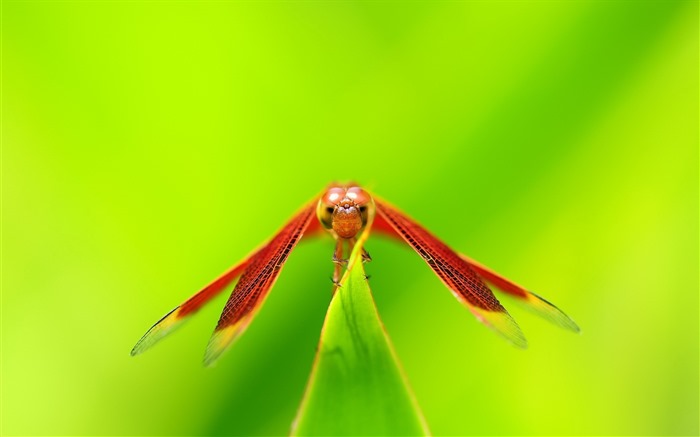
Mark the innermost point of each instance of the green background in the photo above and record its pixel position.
(149, 145)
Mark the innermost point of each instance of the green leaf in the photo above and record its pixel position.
(356, 386)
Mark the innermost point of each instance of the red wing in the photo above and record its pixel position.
(178, 315)
(531, 301)
(251, 290)
(459, 277)
(315, 228)
(382, 226)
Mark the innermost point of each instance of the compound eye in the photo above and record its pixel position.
(324, 212)
(358, 195)
(333, 196)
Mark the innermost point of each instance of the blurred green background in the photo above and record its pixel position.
(149, 145)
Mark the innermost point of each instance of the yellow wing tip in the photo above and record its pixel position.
(549, 311)
(163, 327)
(220, 341)
(503, 324)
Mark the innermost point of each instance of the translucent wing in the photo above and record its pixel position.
(179, 314)
(530, 300)
(456, 273)
(182, 312)
(251, 290)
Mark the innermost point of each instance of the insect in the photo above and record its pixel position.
(346, 212)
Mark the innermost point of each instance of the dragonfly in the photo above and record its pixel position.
(349, 213)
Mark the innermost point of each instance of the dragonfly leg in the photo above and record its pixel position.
(339, 257)
(365, 256)
(339, 261)
(338, 252)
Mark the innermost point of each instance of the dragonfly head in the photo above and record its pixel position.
(345, 210)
